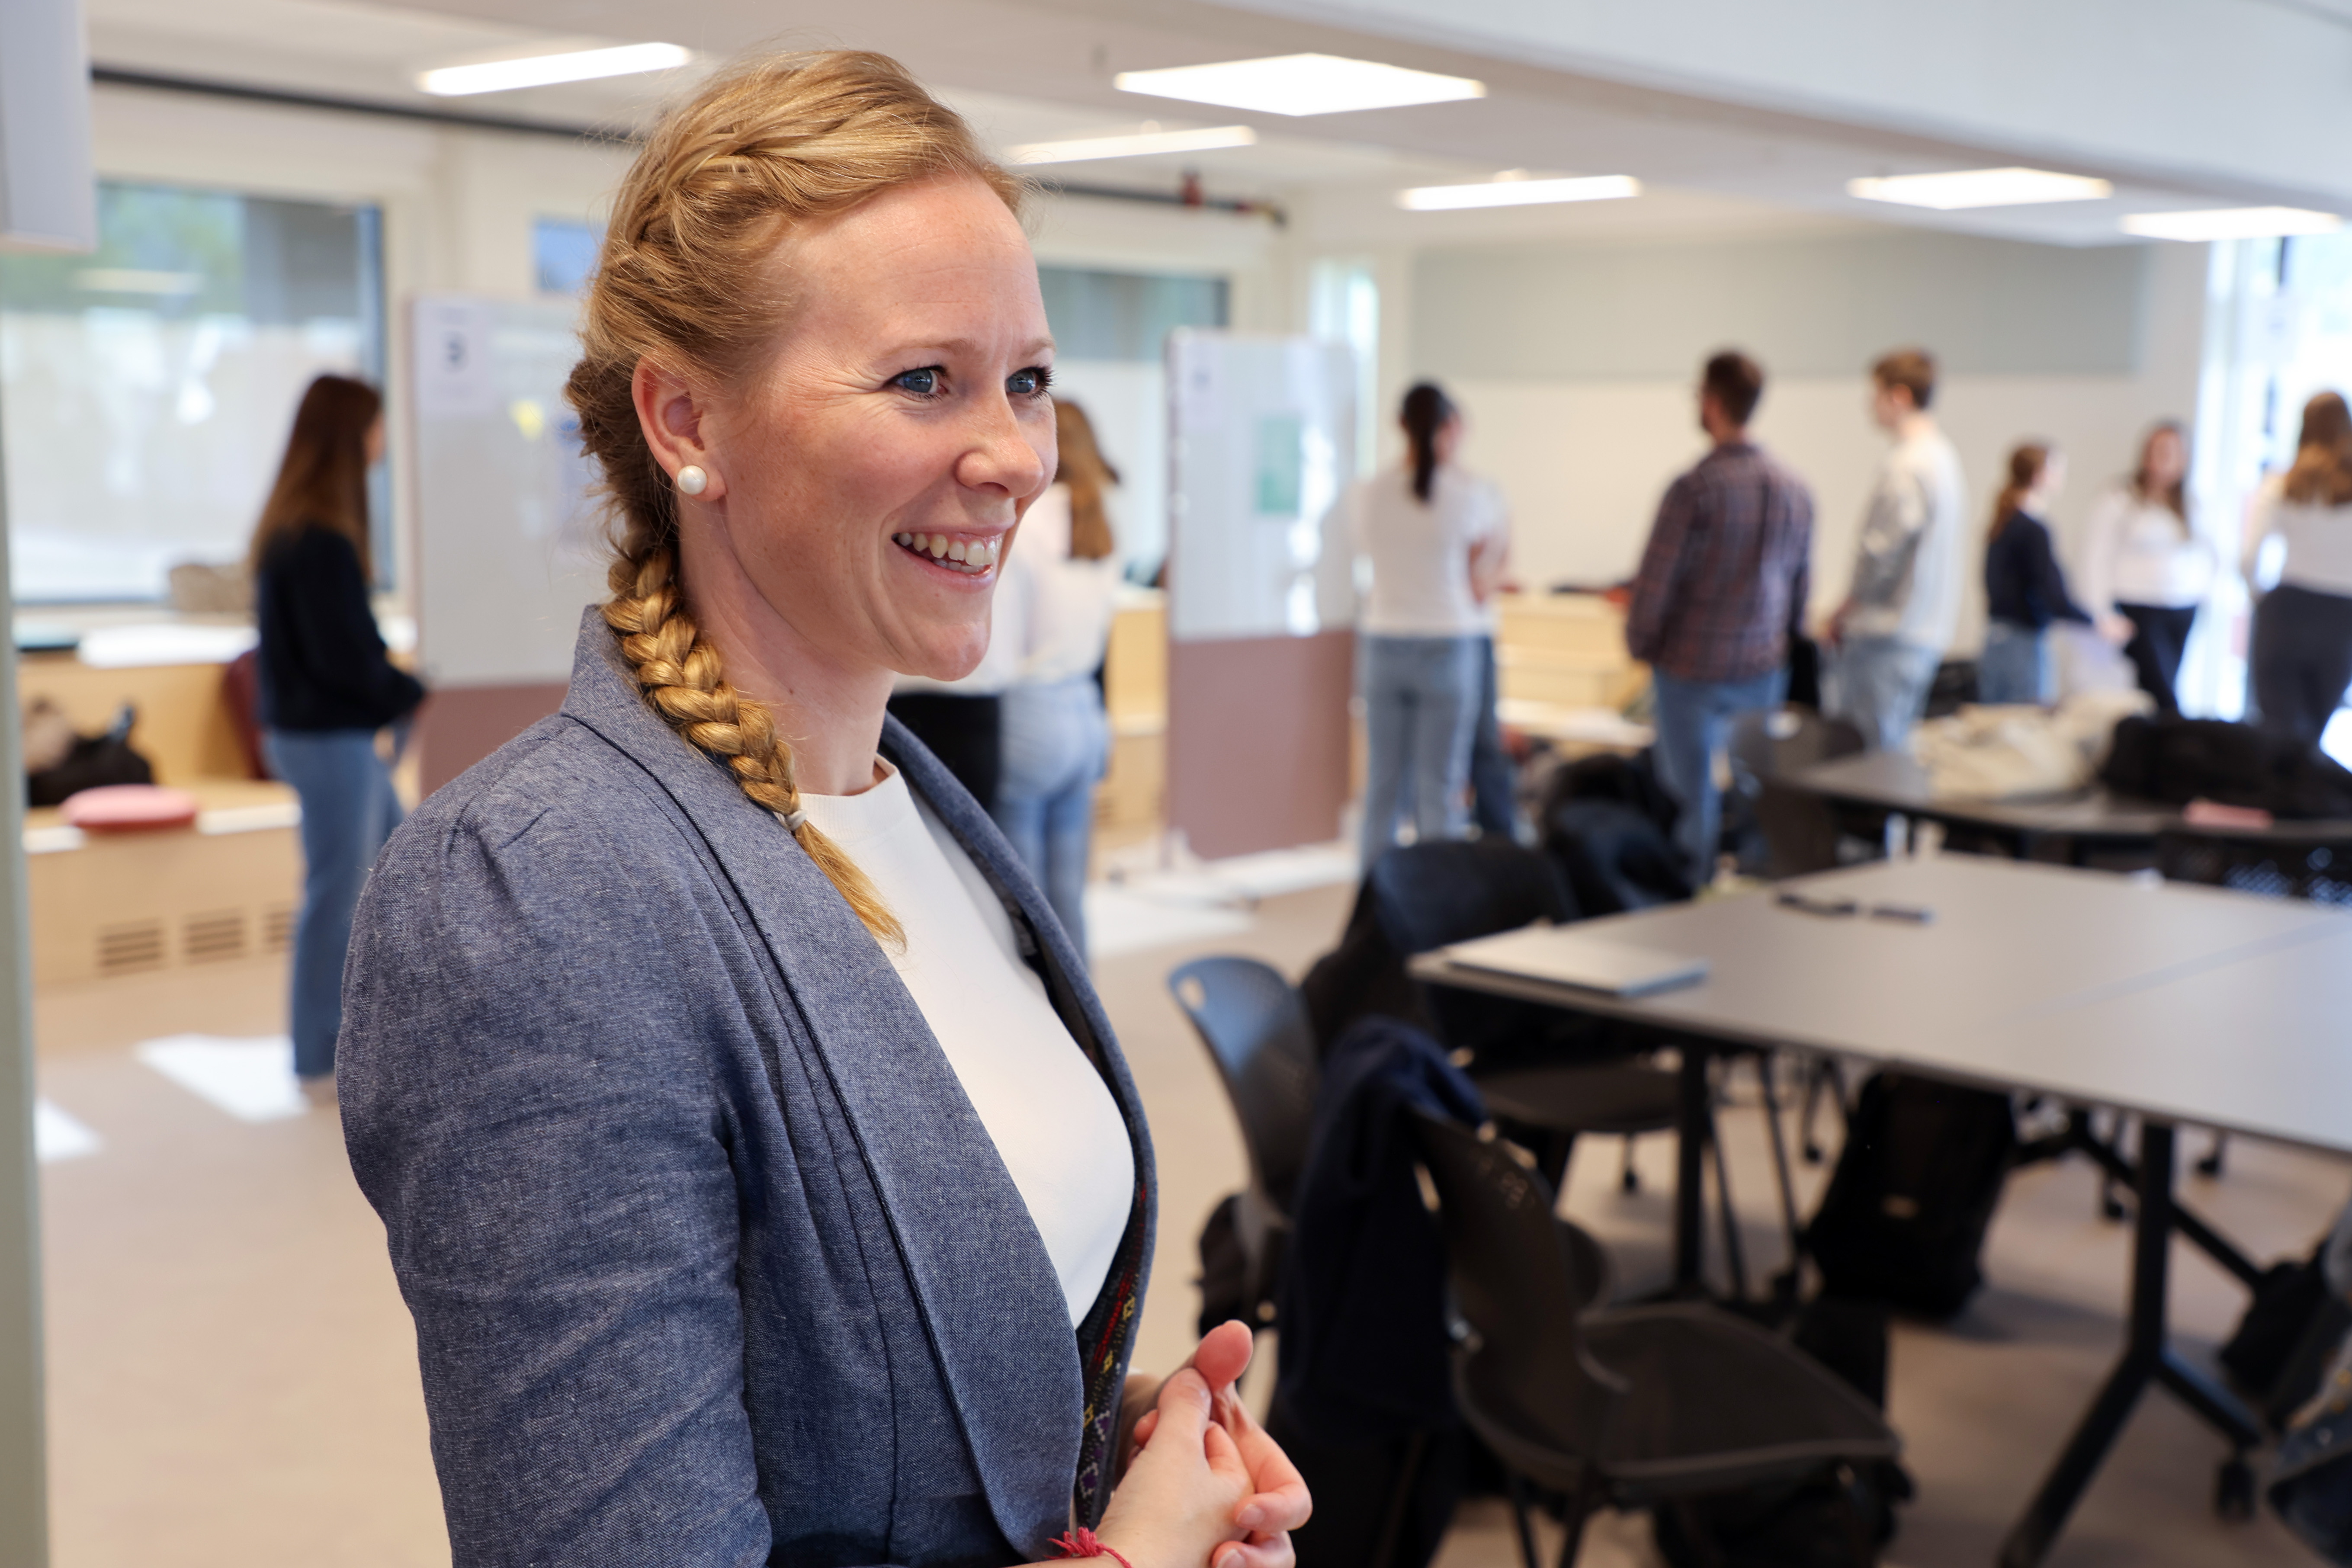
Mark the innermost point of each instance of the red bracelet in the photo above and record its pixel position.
(1081, 1542)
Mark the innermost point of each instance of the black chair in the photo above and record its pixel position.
(1257, 1034)
(1636, 1408)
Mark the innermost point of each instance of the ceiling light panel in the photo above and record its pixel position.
(1518, 193)
(1979, 188)
(1301, 85)
(1134, 144)
(546, 70)
(2232, 223)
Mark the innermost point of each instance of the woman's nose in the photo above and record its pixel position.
(1004, 454)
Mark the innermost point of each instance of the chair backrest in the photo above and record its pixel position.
(1428, 895)
(2278, 863)
(1800, 829)
(1514, 1285)
(1257, 1034)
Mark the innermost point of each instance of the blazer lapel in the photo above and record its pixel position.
(990, 1302)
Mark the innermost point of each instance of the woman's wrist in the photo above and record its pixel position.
(1083, 1543)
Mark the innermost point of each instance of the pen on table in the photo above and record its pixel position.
(1911, 912)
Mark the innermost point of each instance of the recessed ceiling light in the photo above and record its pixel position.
(1979, 188)
(545, 70)
(1301, 84)
(1134, 144)
(2232, 223)
(1518, 193)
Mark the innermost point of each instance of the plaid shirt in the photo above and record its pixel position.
(1727, 569)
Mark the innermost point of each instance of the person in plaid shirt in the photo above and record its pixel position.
(1721, 590)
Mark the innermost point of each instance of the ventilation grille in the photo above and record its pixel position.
(125, 949)
(211, 937)
(277, 928)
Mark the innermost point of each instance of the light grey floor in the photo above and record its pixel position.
(232, 1379)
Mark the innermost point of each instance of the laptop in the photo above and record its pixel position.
(1562, 955)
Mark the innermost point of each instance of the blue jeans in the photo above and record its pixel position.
(1055, 741)
(2014, 665)
(1494, 801)
(1421, 697)
(1693, 723)
(1880, 685)
(349, 809)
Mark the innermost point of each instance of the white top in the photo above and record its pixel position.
(1913, 560)
(2317, 540)
(2138, 552)
(1044, 1106)
(1069, 602)
(1420, 553)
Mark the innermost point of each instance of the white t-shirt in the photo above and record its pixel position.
(2317, 540)
(2139, 551)
(1069, 602)
(1420, 552)
(1044, 1106)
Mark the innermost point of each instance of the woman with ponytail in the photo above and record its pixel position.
(2024, 589)
(1436, 538)
(755, 1157)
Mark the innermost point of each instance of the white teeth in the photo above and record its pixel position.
(956, 552)
(905, 539)
(938, 545)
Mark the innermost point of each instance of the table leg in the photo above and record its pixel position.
(1690, 1174)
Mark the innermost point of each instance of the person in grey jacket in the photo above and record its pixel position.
(755, 1158)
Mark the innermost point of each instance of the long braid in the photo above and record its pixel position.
(681, 674)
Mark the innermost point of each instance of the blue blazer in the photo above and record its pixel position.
(710, 1258)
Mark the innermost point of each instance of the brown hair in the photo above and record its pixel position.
(2175, 496)
(1087, 473)
(1912, 370)
(1736, 383)
(1426, 410)
(2027, 460)
(2322, 458)
(683, 281)
(322, 480)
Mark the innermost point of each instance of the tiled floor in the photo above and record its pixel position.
(233, 1377)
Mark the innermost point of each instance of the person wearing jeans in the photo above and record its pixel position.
(349, 810)
(1723, 581)
(1420, 697)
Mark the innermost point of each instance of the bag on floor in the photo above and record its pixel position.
(2311, 1485)
(2281, 1345)
(1905, 1218)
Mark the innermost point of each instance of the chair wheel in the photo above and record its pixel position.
(1630, 1182)
(2110, 1207)
(2234, 1491)
(2210, 1166)
(1812, 1152)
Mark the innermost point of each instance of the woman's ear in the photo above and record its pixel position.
(671, 413)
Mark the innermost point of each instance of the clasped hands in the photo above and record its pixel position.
(1201, 1484)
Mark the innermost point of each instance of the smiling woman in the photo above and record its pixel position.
(755, 1157)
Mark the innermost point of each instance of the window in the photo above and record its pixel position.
(1344, 307)
(146, 390)
(563, 252)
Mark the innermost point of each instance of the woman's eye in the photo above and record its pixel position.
(923, 383)
(1029, 382)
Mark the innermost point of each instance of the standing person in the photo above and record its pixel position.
(1426, 528)
(2142, 560)
(1056, 737)
(1722, 585)
(2301, 657)
(1899, 616)
(755, 1157)
(327, 687)
(2024, 589)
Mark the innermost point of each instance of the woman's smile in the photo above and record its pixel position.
(963, 554)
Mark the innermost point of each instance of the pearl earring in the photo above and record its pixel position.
(692, 480)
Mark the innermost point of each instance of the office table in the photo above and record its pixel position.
(1894, 781)
(2173, 1003)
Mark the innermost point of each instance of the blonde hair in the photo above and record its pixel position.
(683, 280)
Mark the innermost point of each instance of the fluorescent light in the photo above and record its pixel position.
(1134, 144)
(2232, 223)
(1979, 188)
(545, 70)
(1518, 193)
(1301, 84)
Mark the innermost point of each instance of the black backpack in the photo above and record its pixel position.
(1905, 1215)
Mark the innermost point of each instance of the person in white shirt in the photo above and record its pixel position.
(2301, 657)
(1055, 736)
(1435, 537)
(2143, 561)
(1899, 616)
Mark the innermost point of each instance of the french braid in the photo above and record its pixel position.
(685, 280)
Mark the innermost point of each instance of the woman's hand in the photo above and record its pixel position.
(2116, 629)
(1178, 1503)
(1278, 1502)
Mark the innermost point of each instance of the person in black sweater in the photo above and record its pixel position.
(2024, 589)
(327, 687)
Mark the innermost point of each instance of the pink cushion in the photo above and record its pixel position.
(115, 807)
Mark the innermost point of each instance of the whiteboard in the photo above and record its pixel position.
(1262, 439)
(508, 544)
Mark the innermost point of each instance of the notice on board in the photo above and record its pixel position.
(453, 376)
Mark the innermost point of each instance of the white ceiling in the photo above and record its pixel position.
(1031, 70)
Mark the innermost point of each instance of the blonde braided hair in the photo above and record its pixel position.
(684, 280)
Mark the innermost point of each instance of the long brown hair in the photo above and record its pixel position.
(2174, 496)
(1087, 473)
(322, 479)
(1426, 410)
(2027, 460)
(682, 281)
(2323, 459)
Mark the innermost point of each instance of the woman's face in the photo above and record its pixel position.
(875, 464)
(2167, 460)
(2053, 476)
